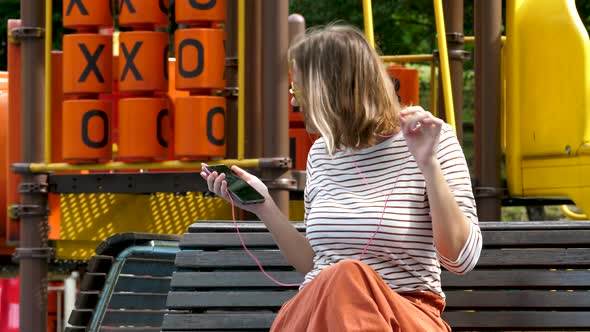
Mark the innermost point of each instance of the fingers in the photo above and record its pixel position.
(217, 185)
(241, 173)
(413, 119)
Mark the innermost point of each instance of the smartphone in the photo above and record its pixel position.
(238, 188)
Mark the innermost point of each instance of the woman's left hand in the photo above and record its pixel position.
(421, 130)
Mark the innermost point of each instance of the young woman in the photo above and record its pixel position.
(388, 198)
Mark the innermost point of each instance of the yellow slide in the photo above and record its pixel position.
(547, 86)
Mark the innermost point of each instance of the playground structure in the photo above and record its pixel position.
(80, 149)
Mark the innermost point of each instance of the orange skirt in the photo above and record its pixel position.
(351, 296)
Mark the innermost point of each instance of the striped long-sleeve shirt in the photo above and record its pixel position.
(348, 194)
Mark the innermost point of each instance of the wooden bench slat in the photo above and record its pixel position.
(524, 278)
(148, 267)
(518, 299)
(233, 279)
(225, 299)
(137, 301)
(491, 257)
(534, 278)
(122, 329)
(100, 263)
(486, 226)
(518, 320)
(516, 238)
(455, 299)
(136, 318)
(218, 321)
(143, 284)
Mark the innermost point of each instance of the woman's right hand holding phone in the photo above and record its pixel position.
(217, 185)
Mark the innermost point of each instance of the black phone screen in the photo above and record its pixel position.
(238, 187)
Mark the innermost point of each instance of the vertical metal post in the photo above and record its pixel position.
(275, 91)
(33, 251)
(231, 79)
(254, 79)
(453, 11)
(488, 43)
(296, 26)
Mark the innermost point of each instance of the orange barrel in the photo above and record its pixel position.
(143, 14)
(199, 127)
(409, 91)
(88, 63)
(143, 61)
(86, 134)
(144, 128)
(80, 14)
(200, 59)
(199, 11)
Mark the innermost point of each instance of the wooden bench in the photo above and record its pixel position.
(126, 284)
(531, 276)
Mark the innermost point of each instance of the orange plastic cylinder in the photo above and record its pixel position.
(143, 14)
(143, 61)
(196, 12)
(409, 91)
(144, 129)
(200, 59)
(86, 134)
(87, 62)
(199, 127)
(87, 13)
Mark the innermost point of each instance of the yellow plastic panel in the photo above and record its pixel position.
(547, 83)
(88, 219)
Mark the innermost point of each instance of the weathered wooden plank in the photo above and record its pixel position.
(227, 299)
(148, 267)
(137, 301)
(491, 257)
(518, 320)
(219, 321)
(136, 318)
(130, 329)
(143, 284)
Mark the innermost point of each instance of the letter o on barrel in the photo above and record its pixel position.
(144, 128)
(199, 127)
(200, 59)
(143, 14)
(86, 130)
(198, 11)
(143, 61)
(87, 62)
(80, 14)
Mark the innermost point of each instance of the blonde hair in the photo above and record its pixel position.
(346, 94)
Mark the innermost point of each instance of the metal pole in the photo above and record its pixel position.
(274, 92)
(453, 12)
(253, 79)
(296, 26)
(231, 78)
(488, 43)
(33, 251)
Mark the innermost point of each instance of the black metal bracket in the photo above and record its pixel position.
(279, 162)
(455, 37)
(21, 168)
(33, 253)
(26, 33)
(285, 183)
(33, 188)
(462, 55)
(18, 211)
